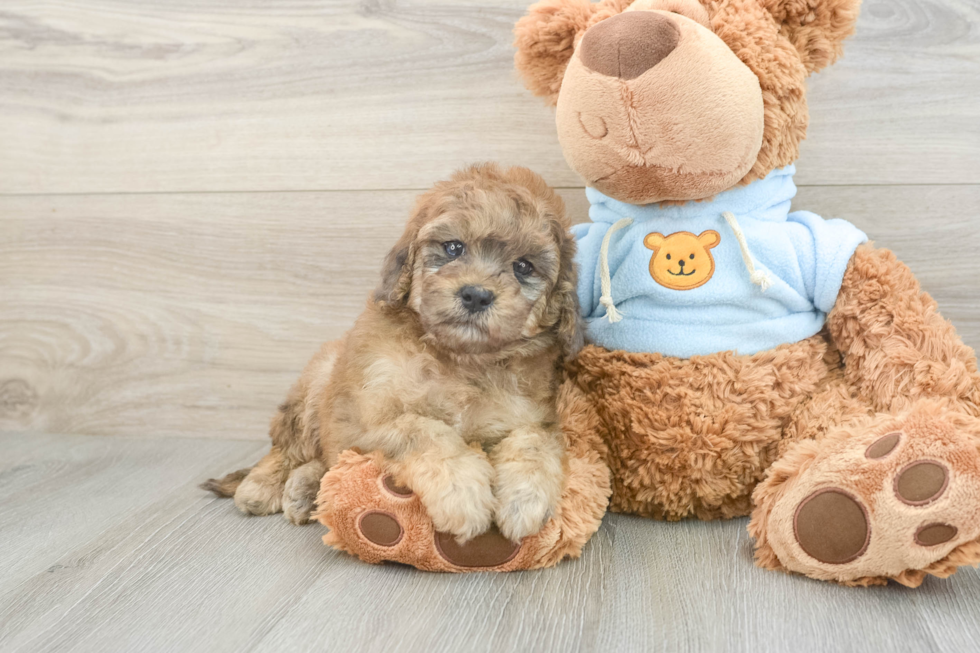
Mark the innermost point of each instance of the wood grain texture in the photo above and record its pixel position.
(699, 591)
(221, 95)
(191, 315)
(110, 546)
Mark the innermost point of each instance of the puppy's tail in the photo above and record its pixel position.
(226, 486)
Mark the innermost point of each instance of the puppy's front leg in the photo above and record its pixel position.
(529, 480)
(454, 481)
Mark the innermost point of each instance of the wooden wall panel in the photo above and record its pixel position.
(224, 95)
(191, 315)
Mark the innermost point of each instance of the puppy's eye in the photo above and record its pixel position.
(523, 267)
(454, 248)
(691, 257)
(668, 257)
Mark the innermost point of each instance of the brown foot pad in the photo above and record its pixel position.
(832, 526)
(381, 528)
(883, 446)
(935, 534)
(897, 501)
(488, 550)
(921, 482)
(373, 517)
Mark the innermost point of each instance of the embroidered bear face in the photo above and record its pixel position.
(682, 261)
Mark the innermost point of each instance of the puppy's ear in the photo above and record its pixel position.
(569, 326)
(562, 311)
(396, 273)
(396, 281)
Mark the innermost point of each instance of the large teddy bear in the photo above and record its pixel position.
(748, 360)
(744, 360)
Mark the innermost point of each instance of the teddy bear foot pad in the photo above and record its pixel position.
(382, 528)
(886, 503)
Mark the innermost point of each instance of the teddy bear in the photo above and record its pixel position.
(742, 359)
(745, 360)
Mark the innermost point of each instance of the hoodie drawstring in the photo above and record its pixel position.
(604, 280)
(758, 277)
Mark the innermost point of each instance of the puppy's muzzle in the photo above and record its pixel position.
(475, 299)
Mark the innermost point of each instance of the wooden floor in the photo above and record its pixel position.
(195, 193)
(107, 545)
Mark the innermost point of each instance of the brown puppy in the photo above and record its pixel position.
(451, 371)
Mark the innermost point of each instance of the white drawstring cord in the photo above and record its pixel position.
(758, 277)
(604, 280)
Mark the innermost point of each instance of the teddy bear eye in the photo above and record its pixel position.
(668, 257)
(454, 248)
(691, 257)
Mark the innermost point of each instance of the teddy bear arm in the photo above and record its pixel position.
(895, 345)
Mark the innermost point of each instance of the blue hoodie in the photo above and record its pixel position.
(682, 281)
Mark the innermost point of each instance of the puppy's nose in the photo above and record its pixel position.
(475, 298)
(629, 44)
(681, 263)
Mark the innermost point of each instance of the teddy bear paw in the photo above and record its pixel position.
(889, 502)
(373, 517)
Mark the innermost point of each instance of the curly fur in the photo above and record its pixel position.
(691, 438)
(899, 348)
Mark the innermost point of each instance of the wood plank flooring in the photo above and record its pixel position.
(107, 545)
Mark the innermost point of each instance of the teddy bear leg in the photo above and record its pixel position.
(889, 497)
(372, 516)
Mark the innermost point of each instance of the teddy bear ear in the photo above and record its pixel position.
(545, 41)
(816, 28)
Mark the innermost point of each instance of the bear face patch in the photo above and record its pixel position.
(682, 261)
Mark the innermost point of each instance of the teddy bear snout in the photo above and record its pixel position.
(629, 44)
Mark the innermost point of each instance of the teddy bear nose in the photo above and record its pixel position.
(629, 44)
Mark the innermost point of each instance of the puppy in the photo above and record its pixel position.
(452, 370)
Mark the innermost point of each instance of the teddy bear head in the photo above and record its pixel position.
(678, 99)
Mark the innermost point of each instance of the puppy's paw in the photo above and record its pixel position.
(521, 513)
(299, 494)
(456, 491)
(528, 482)
(256, 498)
(374, 516)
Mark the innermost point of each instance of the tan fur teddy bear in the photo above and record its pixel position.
(746, 360)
